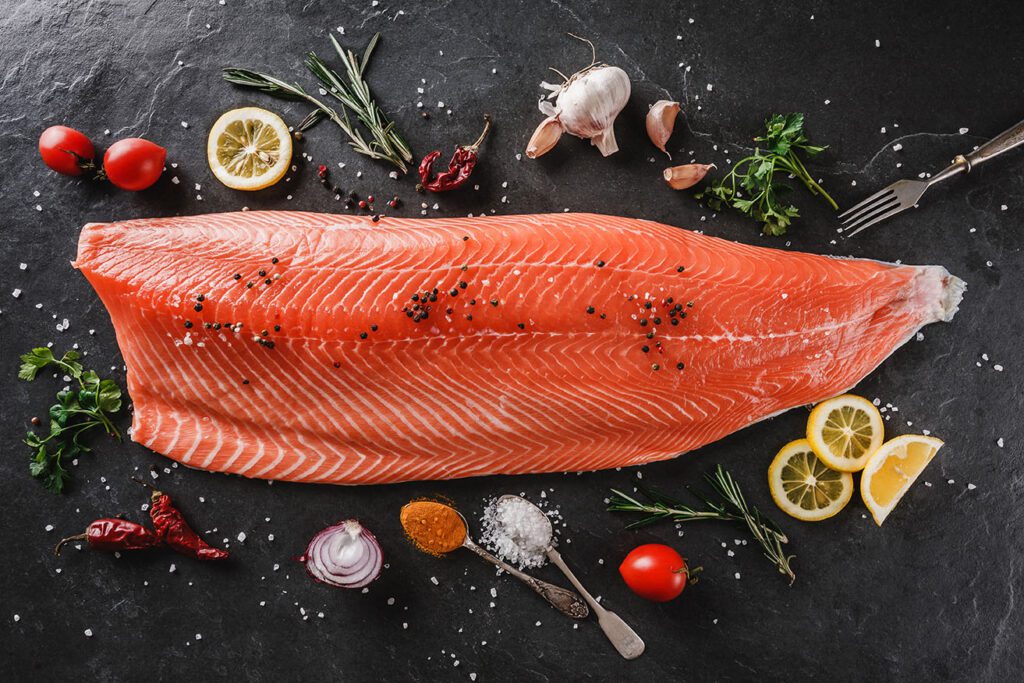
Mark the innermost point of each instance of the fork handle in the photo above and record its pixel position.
(1005, 141)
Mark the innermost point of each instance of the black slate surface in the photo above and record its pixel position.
(932, 595)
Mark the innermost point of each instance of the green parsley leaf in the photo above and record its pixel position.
(76, 412)
(750, 185)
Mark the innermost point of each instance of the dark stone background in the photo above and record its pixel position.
(932, 595)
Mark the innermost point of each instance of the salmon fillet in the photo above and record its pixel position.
(323, 348)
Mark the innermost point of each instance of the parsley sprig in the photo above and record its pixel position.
(750, 186)
(75, 413)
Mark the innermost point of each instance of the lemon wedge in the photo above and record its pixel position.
(844, 431)
(803, 487)
(892, 469)
(249, 148)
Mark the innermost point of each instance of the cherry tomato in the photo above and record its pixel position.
(656, 572)
(63, 149)
(134, 164)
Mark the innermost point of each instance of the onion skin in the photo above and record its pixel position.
(345, 555)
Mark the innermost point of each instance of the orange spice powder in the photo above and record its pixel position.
(433, 527)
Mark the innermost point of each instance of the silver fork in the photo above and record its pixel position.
(904, 194)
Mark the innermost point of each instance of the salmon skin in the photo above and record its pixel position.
(322, 348)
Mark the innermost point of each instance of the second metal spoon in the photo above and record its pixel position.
(624, 638)
(562, 599)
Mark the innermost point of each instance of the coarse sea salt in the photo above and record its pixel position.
(517, 531)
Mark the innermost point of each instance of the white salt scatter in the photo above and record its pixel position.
(241, 537)
(920, 336)
(737, 575)
(172, 569)
(276, 567)
(883, 130)
(17, 618)
(88, 633)
(270, 537)
(897, 147)
(49, 527)
(971, 487)
(39, 207)
(16, 293)
(730, 553)
(710, 87)
(951, 481)
(679, 37)
(440, 104)
(22, 266)
(184, 124)
(690, 21)
(391, 601)
(878, 43)
(999, 442)
(828, 101)
(433, 580)
(494, 592)
(997, 367)
(537, 624)
(1003, 207)
(963, 131)
(199, 636)
(517, 531)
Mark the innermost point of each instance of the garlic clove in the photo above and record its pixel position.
(687, 175)
(661, 119)
(544, 138)
(605, 142)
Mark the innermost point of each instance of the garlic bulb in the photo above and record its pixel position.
(687, 175)
(661, 119)
(587, 104)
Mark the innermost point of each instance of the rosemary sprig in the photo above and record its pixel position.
(386, 143)
(728, 505)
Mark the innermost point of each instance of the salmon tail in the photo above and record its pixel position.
(937, 292)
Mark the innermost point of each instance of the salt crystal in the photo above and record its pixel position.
(997, 367)
(172, 569)
(22, 266)
(517, 531)
(737, 575)
(16, 293)
(433, 580)
(897, 147)
(1003, 207)
(184, 124)
(241, 536)
(999, 442)
(88, 633)
(963, 131)
(971, 487)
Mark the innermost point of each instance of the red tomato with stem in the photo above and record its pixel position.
(134, 164)
(65, 150)
(656, 572)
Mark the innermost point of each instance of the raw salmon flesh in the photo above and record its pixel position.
(323, 348)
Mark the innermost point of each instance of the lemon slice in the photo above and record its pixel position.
(803, 487)
(249, 148)
(844, 431)
(892, 469)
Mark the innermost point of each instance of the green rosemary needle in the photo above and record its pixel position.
(386, 142)
(728, 505)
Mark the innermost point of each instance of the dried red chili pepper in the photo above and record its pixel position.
(114, 534)
(459, 168)
(173, 530)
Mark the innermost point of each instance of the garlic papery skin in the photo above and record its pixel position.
(544, 138)
(661, 119)
(687, 175)
(589, 102)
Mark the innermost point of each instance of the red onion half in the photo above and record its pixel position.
(344, 555)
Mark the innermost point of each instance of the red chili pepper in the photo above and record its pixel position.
(114, 534)
(459, 168)
(172, 529)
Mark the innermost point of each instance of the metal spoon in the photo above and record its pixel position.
(624, 638)
(562, 599)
